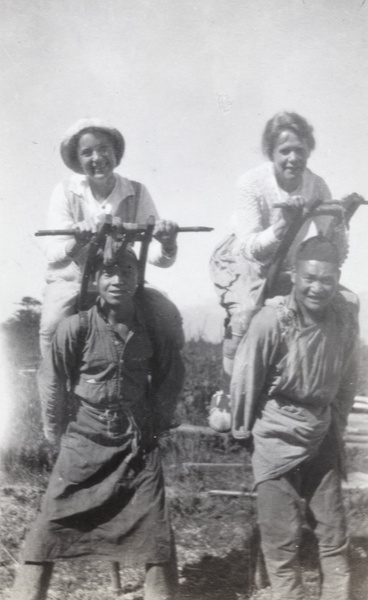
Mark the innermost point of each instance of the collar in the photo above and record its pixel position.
(78, 184)
(306, 177)
(290, 317)
(291, 302)
(138, 323)
(292, 306)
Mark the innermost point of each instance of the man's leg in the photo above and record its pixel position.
(279, 516)
(326, 505)
(32, 581)
(161, 581)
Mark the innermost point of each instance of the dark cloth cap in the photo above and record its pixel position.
(318, 248)
(68, 146)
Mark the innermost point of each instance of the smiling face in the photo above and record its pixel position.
(118, 282)
(96, 156)
(315, 284)
(290, 156)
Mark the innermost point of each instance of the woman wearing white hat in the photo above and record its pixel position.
(92, 149)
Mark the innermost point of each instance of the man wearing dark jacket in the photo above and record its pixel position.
(292, 389)
(106, 493)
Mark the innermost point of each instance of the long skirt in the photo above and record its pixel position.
(102, 500)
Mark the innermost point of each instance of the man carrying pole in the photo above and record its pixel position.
(106, 492)
(292, 388)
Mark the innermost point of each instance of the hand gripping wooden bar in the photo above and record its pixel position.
(130, 233)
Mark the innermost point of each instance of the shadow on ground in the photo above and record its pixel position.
(237, 575)
(216, 578)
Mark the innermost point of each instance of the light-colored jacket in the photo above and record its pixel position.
(72, 201)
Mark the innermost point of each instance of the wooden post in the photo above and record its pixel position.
(147, 237)
(115, 577)
(95, 243)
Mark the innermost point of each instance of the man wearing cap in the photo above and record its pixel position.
(292, 389)
(106, 493)
(92, 149)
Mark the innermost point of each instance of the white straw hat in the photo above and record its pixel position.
(68, 146)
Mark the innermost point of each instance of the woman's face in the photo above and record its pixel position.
(96, 156)
(290, 157)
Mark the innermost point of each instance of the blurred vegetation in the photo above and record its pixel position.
(21, 335)
(362, 389)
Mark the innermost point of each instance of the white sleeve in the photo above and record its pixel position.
(147, 208)
(254, 240)
(59, 216)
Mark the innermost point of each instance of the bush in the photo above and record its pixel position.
(203, 362)
(362, 388)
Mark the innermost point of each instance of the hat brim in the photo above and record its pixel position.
(68, 146)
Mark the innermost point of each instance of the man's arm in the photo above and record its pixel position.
(164, 324)
(344, 398)
(167, 380)
(54, 377)
(253, 363)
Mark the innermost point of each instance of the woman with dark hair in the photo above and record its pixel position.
(92, 149)
(241, 263)
(279, 123)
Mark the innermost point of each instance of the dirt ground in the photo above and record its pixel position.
(215, 536)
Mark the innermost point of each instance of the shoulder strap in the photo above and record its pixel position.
(74, 201)
(137, 195)
(83, 329)
(81, 339)
(129, 205)
(140, 297)
(285, 316)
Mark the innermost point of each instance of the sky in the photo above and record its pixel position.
(190, 84)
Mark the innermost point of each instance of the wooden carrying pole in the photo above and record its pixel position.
(129, 233)
(131, 227)
(303, 214)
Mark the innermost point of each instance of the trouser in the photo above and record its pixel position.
(280, 513)
(59, 302)
(33, 579)
(161, 582)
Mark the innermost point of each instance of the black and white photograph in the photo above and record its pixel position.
(184, 300)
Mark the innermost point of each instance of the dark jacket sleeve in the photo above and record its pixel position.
(167, 381)
(253, 362)
(55, 376)
(345, 396)
(344, 399)
(165, 329)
